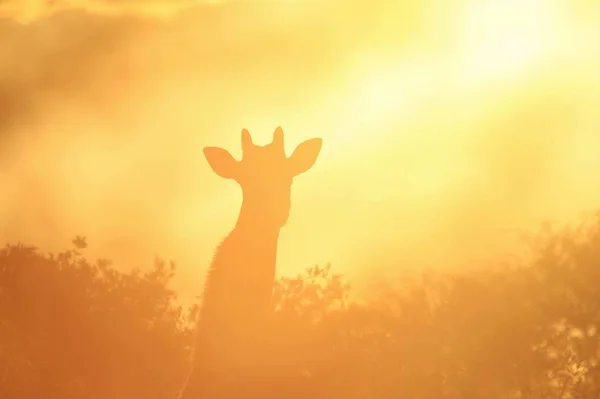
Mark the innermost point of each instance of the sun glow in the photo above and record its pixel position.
(505, 37)
(494, 41)
(420, 105)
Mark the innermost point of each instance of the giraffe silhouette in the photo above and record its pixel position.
(231, 355)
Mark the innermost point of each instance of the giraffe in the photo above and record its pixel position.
(230, 357)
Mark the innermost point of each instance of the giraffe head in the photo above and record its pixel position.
(265, 173)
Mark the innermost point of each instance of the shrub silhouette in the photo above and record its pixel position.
(73, 329)
(70, 328)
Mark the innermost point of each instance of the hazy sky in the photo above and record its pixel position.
(447, 125)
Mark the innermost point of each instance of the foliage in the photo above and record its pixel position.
(70, 328)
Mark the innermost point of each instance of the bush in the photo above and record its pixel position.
(74, 329)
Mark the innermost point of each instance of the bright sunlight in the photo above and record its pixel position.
(425, 109)
(250, 199)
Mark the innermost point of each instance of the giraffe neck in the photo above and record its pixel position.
(258, 239)
(240, 279)
(236, 302)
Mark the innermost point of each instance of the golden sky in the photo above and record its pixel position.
(448, 126)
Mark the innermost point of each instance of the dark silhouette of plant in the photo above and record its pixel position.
(70, 328)
(73, 329)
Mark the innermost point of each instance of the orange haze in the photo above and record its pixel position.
(448, 126)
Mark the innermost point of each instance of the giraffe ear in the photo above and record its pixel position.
(221, 162)
(304, 156)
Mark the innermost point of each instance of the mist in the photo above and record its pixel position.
(104, 113)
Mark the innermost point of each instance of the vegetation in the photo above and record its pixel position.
(71, 328)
